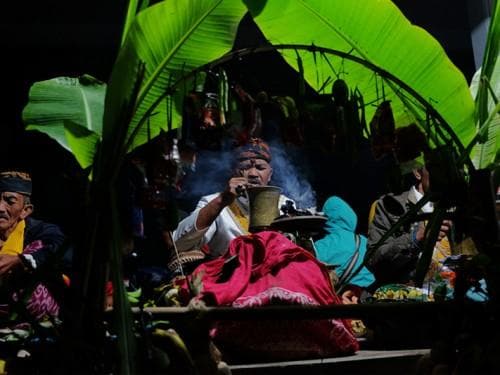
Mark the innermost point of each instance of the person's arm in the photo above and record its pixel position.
(207, 214)
(198, 228)
(187, 236)
(51, 239)
(211, 211)
(9, 263)
(44, 239)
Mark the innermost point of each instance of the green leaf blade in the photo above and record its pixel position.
(377, 32)
(173, 38)
(485, 87)
(60, 101)
(82, 142)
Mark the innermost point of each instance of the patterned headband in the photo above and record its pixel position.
(256, 148)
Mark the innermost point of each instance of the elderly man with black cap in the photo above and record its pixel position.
(221, 217)
(26, 245)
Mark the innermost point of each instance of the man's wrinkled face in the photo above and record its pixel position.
(257, 171)
(12, 210)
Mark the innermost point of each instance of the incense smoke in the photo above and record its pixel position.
(214, 168)
(287, 176)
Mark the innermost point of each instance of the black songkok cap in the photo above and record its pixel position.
(18, 182)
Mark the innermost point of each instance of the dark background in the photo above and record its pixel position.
(42, 40)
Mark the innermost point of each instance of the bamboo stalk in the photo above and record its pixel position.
(386, 310)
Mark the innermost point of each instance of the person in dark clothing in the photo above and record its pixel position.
(28, 248)
(396, 259)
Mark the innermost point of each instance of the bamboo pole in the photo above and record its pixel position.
(384, 310)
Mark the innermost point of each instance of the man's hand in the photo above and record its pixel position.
(209, 213)
(443, 231)
(236, 183)
(9, 263)
(349, 298)
(420, 232)
(233, 188)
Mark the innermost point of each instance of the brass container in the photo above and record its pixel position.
(263, 205)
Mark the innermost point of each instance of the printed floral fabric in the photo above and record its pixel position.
(41, 303)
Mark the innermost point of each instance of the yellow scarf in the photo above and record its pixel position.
(240, 217)
(442, 249)
(15, 241)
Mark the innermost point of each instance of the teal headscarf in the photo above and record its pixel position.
(338, 246)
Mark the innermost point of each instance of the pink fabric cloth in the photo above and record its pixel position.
(273, 270)
(41, 302)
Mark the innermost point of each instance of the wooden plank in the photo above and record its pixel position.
(361, 355)
(355, 311)
(373, 362)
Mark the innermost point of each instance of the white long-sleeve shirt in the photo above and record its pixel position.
(218, 235)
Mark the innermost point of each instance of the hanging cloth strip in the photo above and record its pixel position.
(348, 272)
(239, 216)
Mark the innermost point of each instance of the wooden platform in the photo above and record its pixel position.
(369, 361)
(363, 362)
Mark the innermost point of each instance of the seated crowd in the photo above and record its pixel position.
(214, 247)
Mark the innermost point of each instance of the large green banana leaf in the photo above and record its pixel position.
(172, 38)
(485, 87)
(377, 32)
(70, 110)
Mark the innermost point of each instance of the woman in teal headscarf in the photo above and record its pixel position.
(339, 245)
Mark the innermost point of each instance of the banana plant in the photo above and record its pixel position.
(163, 42)
(485, 87)
(70, 111)
(373, 47)
(368, 43)
(485, 145)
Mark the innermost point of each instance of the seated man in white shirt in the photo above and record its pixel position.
(221, 217)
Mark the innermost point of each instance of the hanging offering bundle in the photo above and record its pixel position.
(347, 120)
(382, 129)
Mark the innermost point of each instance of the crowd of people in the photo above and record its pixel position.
(214, 246)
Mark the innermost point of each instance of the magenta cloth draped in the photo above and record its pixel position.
(273, 270)
(41, 303)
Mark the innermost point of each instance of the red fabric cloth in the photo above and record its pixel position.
(272, 269)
